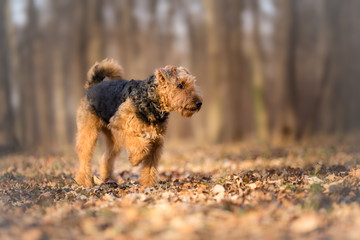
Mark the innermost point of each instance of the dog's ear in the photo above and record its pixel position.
(166, 74)
(181, 68)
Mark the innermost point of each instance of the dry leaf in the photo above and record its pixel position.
(187, 185)
(355, 172)
(97, 181)
(305, 224)
(218, 189)
(32, 234)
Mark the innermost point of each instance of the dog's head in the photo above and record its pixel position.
(177, 90)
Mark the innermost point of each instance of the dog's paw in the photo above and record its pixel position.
(85, 180)
(148, 181)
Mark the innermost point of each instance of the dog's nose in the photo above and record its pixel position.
(198, 104)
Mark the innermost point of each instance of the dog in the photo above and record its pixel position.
(132, 115)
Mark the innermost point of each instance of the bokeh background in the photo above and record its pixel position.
(270, 70)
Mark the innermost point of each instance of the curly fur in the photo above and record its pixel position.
(106, 97)
(99, 71)
(132, 115)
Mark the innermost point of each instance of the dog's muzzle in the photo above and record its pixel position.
(198, 104)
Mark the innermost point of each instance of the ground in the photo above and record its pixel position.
(228, 191)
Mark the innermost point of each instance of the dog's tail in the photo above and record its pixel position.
(106, 68)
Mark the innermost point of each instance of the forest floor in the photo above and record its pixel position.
(230, 191)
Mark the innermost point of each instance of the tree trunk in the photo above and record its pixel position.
(7, 131)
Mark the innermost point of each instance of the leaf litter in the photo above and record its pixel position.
(234, 191)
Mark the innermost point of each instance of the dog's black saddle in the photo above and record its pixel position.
(106, 97)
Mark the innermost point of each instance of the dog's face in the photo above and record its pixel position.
(177, 90)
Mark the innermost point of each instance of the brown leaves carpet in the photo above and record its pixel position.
(232, 191)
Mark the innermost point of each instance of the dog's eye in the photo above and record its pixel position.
(181, 86)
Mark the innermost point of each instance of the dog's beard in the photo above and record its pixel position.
(187, 112)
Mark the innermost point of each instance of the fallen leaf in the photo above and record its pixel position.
(187, 185)
(355, 172)
(202, 186)
(306, 223)
(252, 185)
(32, 234)
(108, 197)
(97, 181)
(218, 189)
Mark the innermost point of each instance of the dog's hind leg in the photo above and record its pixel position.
(88, 126)
(108, 158)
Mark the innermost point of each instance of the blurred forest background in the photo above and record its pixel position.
(273, 70)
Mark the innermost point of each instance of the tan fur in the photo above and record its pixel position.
(88, 125)
(172, 98)
(143, 141)
(110, 69)
(108, 158)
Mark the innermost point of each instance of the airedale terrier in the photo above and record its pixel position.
(132, 115)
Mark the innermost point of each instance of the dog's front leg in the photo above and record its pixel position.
(147, 152)
(149, 173)
(138, 149)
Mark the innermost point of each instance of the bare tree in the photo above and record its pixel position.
(288, 75)
(7, 131)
